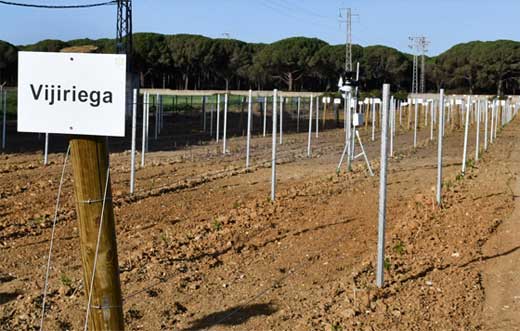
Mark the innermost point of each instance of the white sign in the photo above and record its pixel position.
(326, 99)
(337, 101)
(357, 119)
(71, 93)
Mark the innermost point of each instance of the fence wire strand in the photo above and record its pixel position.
(49, 258)
(260, 164)
(91, 286)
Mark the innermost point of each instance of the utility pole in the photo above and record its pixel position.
(345, 16)
(423, 71)
(414, 70)
(423, 46)
(419, 46)
(124, 42)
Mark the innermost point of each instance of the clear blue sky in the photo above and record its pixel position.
(387, 22)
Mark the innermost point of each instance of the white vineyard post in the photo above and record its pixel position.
(439, 149)
(248, 143)
(134, 131)
(273, 160)
(310, 129)
(382, 190)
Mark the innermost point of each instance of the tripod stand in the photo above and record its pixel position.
(350, 149)
(347, 87)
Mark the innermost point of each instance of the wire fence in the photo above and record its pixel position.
(497, 115)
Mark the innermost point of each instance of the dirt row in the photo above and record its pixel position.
(201, 247)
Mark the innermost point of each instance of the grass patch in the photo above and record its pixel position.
(65, 280)
(399, 248)
(217, 225)
(165, 238)
(387, 264)
(470, 164)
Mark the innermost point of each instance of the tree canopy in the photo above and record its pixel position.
(186, 61)
(8, 62)
(288, 60)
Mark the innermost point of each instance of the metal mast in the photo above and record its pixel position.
(423, 69)
(346, 18)
(414, 70)
(348, 57)
(423, 45)
(419, 45)
(124, 29)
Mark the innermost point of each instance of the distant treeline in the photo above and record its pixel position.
(197, 62)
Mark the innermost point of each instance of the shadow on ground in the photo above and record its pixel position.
(232, 316)
(6, 297)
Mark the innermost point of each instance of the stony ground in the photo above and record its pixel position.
(201, 247)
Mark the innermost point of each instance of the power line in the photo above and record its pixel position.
(295, 5)
(278, 10)
(124, 42)
(29, 5)
(288, 12)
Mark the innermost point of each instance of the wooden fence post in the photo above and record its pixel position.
(89, 157)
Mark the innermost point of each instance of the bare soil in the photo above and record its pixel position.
(501, 276)
(201, 247)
